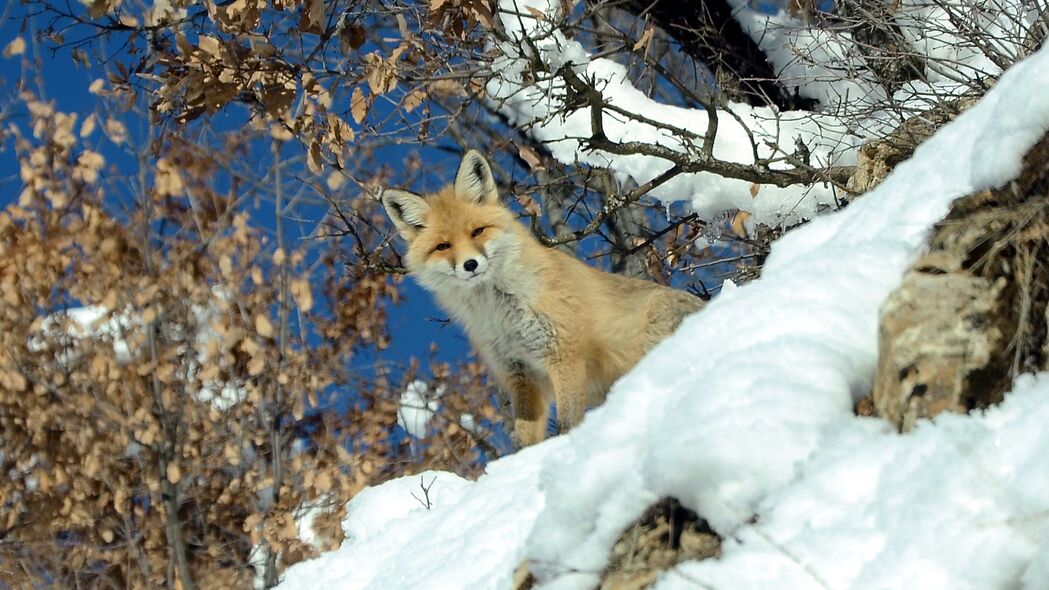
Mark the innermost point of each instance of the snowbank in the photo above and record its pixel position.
(470, 536)
(747, 411)
(958, 503)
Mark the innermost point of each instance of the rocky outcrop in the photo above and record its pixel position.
(971, 314)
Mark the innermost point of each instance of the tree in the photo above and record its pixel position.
(176, 396)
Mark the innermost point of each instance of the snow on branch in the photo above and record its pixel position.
(780, 166)
(869, 68)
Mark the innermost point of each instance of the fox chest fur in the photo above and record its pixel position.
(503, 326)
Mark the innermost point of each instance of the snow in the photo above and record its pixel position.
(125, 330)
(417, 408)
(828, 65)
(821, 63)
(872, 508)
(745, 415)
(80, 322)
(470, 537)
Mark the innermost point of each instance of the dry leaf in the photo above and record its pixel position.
(15, 47)
(88, 126)
(174, 474)
(447, 88)
(529, 204)
(351, 37)
(413, 99)
(530, 157)
(323, 482)
(210, 45)
(263, 326)
(739, 223)
(358, 105)
(645, 39)
(116, 131)
(313, 158)
(300, 290)
(280, 132)
(312, 20)
(538, 14)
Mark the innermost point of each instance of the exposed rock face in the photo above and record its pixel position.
(941, 331)
(877, 158)
(972, 313)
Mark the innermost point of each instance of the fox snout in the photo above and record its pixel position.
(471, 268)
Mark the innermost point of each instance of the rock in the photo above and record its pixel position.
(939, 334)
(974, 312)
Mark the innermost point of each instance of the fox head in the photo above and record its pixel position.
(459, 237)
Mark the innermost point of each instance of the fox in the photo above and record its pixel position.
(549, 327)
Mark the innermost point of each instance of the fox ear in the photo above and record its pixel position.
(474, 182)
(408, 211)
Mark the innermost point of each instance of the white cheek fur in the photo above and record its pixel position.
(499, 253)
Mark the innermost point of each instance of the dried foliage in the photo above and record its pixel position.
(176, 393)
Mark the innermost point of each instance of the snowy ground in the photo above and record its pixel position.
(747, 411)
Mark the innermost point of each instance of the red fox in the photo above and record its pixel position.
(548, 326)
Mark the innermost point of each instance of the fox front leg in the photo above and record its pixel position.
(568, 379)
(530, 409)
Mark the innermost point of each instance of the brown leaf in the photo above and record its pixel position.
(312, 20)
(300, 290)
(447, 88)
(739, 223)
(531, 158)
(263, 326)
(15, 47)
(351, 37)
(323, 482)
(413, 99)
(645, 39)
(88, 126)
(174, 474)
(358, 105)
(529, 204)
(538, 14)
(382, 74)
(313, 158)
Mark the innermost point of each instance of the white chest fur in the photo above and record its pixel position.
(502, 324)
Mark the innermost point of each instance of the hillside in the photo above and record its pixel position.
(746, 416)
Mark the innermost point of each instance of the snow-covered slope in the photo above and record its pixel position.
(747, 411)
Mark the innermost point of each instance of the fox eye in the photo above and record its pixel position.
(443, 246)
(477, 232)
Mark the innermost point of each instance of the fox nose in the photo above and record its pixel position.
(470, 265)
